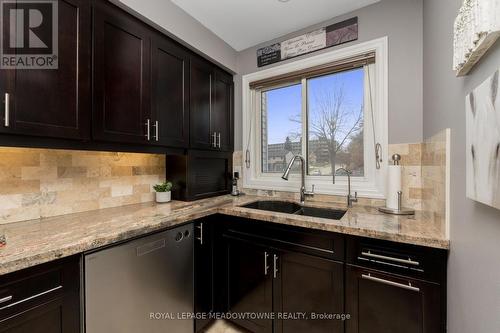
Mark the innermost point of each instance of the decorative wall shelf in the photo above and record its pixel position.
(477, 27)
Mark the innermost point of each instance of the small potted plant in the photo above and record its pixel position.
(163, 191)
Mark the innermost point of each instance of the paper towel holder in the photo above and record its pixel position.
(400, 210)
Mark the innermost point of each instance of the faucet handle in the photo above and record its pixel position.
(310, 193)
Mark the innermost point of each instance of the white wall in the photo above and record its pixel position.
(401, 21)
(473, 270)
(185, 28)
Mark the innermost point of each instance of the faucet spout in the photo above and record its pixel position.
(303, 192)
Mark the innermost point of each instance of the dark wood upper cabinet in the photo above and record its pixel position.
(202, 136)
(54, 102)
(222, 110)
(211, 107)
(170, 93)
(122, 50)
(382, 303)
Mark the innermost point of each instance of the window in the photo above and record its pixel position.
(330, 110)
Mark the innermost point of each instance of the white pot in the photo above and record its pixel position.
(163, 196)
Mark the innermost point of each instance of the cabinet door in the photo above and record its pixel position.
(59, 315)
(209, 174)
(222, 111)
(201, 105)
(204, 274)
(384, 303)
(55, 102)
(308, 284)
(250, 283)
(170, 93)
(121, 76)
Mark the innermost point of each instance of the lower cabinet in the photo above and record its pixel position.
(271, 275)
(249, 286)
(42, 299)
(313, 286)
(380, 302)
(276, 290)
(203, 272)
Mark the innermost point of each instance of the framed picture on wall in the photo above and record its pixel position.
(483, 142)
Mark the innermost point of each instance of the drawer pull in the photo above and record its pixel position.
(5, 299)
(201, 233)
(29, 298)
(382, 257)
(390, 283)
(275, 266)
(266, 266)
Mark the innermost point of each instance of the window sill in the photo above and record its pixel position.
(364, 189)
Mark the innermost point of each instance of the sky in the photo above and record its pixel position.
(284, 104)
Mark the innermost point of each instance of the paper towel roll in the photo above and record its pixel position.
(393, 186)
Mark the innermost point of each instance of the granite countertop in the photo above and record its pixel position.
(34, 242)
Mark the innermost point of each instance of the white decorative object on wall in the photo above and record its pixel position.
(477, 27)
(483, 142)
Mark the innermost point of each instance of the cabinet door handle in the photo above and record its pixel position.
(7, 110)
(390, 283)
(156, 125)
(266, 266)
(5, 299)
(148, 129)
(382, 257)
(28, 298)
(214, 139)
(218, 140)
(201, 233)
(275, 266)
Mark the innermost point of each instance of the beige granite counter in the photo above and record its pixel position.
(34, 242)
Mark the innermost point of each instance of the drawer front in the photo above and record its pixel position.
(403, 259)
(313, 242)
(33, 286)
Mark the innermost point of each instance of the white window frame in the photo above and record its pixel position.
(370, 186)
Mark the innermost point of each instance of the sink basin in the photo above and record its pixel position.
(333, 214)
(275, 206)
(296, 209)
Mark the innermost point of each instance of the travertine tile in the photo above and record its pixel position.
(46, 182)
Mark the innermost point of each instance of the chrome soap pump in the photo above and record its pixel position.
(234, 190)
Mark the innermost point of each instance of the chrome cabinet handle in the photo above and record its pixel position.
(5, 299)
(218, 140)
(266, 266)
(157, 130)
(28, 298)
(390, 283)
(275, 266)
(379, 256)
(7, 110)
(214, 139)
(201, 233)
(148, 129)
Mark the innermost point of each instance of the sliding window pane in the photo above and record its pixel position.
(335, 122)
(281, 126)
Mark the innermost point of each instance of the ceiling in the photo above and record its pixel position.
(243, 24)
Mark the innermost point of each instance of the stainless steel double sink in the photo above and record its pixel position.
(296, 209)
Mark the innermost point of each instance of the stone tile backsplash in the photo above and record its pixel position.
(38, 183)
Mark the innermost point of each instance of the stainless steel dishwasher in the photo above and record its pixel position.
(143, 285)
